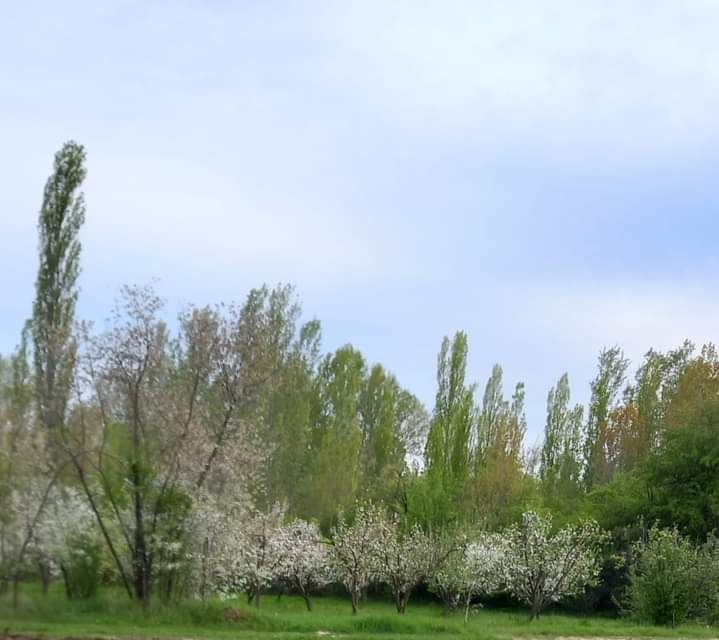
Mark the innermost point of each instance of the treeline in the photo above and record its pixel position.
(235, 408)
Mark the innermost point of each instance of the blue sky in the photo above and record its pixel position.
(539, 174)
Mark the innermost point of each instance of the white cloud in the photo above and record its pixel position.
(190, 221)
(638, 75)
(636, 315)
(352, 147)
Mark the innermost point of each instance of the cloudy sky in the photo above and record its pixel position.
(541, 174)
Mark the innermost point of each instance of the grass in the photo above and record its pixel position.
(110, 613)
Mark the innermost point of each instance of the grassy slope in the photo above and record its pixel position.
(112, 614)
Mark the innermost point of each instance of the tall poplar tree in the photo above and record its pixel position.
(61, 217)
(448, 445)
(561, 463)
(494, 407)
(611, 376)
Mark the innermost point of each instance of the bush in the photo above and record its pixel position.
(672, 579)
(81, 566)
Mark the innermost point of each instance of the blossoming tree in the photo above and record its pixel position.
(250, 554)
(469, 570)
(355, 549)
(544, 567)
(304, 562)
(403, 559)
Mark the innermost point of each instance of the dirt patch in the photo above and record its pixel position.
(233, 614)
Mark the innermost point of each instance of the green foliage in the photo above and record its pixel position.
(448, 445)
(81, 566)
(61, 216)
(290, 405)
(338, 432)
(447, 454)
(612, 367)
(683, 474)
(560, 466)
(620, 502)
(672, 579)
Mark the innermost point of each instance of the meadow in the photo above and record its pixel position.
(110, 613)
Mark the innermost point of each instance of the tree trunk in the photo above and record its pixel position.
(400, 601)
(355, 601)
(536, 608)
(45, 575)
(141, 561)
(168, 584)
(446, 601)
(66, 581)
(308, 602)
(257, 599)
(101, 524)
(15, 590)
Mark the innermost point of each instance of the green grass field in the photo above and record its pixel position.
(111, 614)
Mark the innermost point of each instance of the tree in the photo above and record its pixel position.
(24, 509)
(404, 559)
(560, 462)
(447, 454)
(697, 383)
(682, 475)
(494, 407)
(289, 418)
(61, 217)
(611, 376)
(542, 567)
(65, 525)
(665, 393)
(446, 579)
(27, 473)
(393, 424)
(258, 554)
(382, 446)
(498, 474)
(213, 541)
(656, 385)
(482, 569)
(356, 548)
(338, 434)
(241, 549)
(472, 570)
(162, 422)
(624, 442)
(304, 563)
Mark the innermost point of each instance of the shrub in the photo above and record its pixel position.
(81, 565)
(672, 580)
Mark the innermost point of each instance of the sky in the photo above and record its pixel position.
(539, 174)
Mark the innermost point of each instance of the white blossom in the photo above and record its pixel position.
(404, 559)
(247, 553)
(543, 567)
(472, 570)
(355, 549)
(66, 515)
(304, 560)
